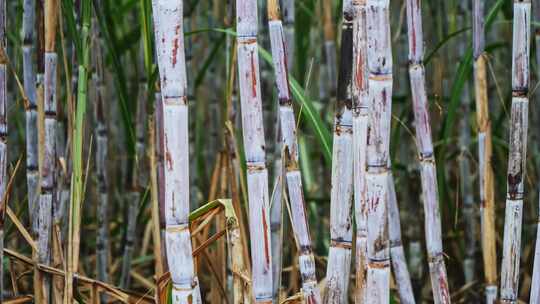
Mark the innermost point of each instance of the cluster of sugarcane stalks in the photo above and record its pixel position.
(137, 111)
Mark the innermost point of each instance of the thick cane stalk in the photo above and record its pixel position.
(29, 81)
(169, 35)
(517, 152)
(3, 135)
(293, 177)
(360, 135)
(378, 149)
(535, 286)
(486, 178)
(439, 281)
(47, 198)
(253, 134)
(339, 256)
(101, 156)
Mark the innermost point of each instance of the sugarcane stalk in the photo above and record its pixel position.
(465, 180)
(360, 135)
(339, 256)
(535, 285)
(169, 37)
(379, 59)
(397, 254)
(517, 152)
(160, 173)
(47, 198)
(293, 177)
(253, 134)
(439, 281)
(77, 194)
(3, 135)
(101, 156)
(486, 178)
(137, 180)
(288, 25)
(329, 48)
(276, 216)
(29, 82)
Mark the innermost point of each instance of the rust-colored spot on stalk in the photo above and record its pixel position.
(175, 45)
(253, 76)
(266, 245)
(168, 157)
(444, 289)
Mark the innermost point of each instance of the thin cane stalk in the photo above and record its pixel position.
(339, 256)
(137, 178)
(397, 254)
(486, 178)
(293, 177)
(439, 281)
(465, 185)
(101, 156)
(254, 143)
(517, 152)
(168, 29)
(29, 81)
(47, 198)
(77, 159)
(160, 173)
(535, 285)
(288, 25)
(3, 135)
(329, 48)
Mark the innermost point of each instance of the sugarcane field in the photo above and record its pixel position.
(269, 151)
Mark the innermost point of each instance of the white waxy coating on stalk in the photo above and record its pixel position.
(535, 285)
(379, 61)
(293, 175)
(29, 82)
(360, 135)
(517, 152)
(48, 166)
(254, 147)
(168, 27)
(341, 196)
(399, 265)
(439, 281)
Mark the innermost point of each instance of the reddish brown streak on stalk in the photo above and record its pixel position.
(443, 287)
(175, 46)
(253, 77)
(360, 74)
(168, 157)
(266, 246)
